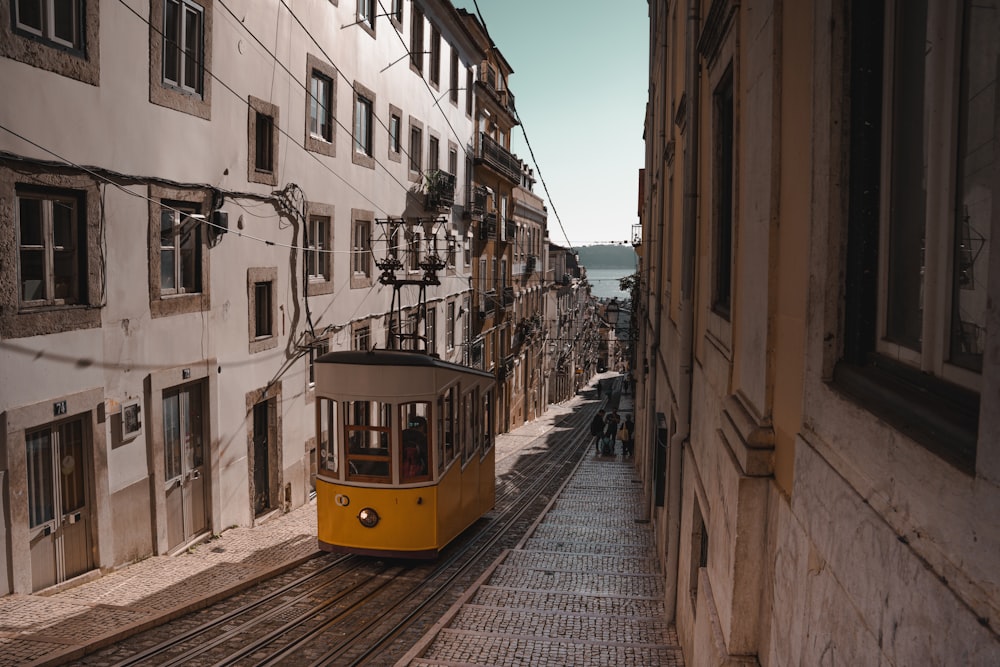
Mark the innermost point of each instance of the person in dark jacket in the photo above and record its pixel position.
(610, 432)
(628, 441)
(597, 429)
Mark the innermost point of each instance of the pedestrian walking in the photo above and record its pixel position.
(627, 435)
(611, 432)
(597, 429)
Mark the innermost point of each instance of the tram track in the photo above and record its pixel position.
(362, 611)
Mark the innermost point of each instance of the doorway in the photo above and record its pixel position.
(261, 492)
(184, 463)
(61, 543)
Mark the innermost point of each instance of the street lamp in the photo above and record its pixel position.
(611, 312)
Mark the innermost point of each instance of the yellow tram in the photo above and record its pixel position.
(406, 451)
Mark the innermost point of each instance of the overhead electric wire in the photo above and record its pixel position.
(531, 151)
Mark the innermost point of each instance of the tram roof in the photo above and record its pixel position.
(378, 357)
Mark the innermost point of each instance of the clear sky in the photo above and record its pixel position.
(580, 86)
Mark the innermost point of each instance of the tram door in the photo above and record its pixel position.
(184, 464)
(58, 503)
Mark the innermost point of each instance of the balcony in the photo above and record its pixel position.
(440, 190)
(475, 208)
(508, 297)
(529, 264)
(488, 227)
(509, 231)
(498, 158)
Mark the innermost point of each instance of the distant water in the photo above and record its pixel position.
(604, 282)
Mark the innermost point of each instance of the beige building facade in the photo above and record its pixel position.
(817, 361)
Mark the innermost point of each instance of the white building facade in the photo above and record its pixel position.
(175, 257)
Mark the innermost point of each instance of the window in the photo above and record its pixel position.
(363, 125)
(723, 204)
(920, 204)
(183, 45)
(453, 161)
(361, 251)
(395, 132)
(433, 153)
(396, 13)
(415, 422)
(435, 55)
(263, 156)
(263, 142)
(180, 249)
(366, 14)
(262, 310)
(367, 425)
(453, 79)
(468, 91)
(321, 106)
(58, 22)
(318, 249)
(416, 149)
(364, 103)
(180, 55)
(414, 250)
(361, 338)
(430, 329)
(449, 331)
(417, 40)
(51, 240)
(317, 349)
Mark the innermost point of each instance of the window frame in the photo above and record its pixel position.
(362, 223)
(366, 14)
(256, 278)
(258, 112)
(173, 303)
(184, 214)
(416, 149)
(23, 43)
(921, 400)
(181, 82)
(164, 93)
(48, 248)
(319, 143)
(434, 75)
(363, 146)
(395, 140)
(417, 30)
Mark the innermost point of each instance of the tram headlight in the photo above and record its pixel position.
(368, 517)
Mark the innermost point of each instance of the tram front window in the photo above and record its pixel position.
(325, 432)
(415, 445)
(367, 426)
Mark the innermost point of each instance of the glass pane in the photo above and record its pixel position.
(977, 162)
(905, 252)
(72, 466)
(190, 241)
(64, 270)
(32, 275)
(41, 503)
(415, 447)
(171, 437)
(30, 219)
(64, 21)
(192, 49)
(327, 435)
(166, 228)
(314, 105)
(29, 14)
(167, 281)
(171, 41)
(63, 224)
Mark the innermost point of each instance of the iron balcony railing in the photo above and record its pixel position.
(488, 227)
(476, 206)
(499, 158)
(440, 189)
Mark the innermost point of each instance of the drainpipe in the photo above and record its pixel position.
(688, 247)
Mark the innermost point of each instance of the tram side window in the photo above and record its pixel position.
(446, 428)
(416, 445)
(487, 421)
(326, 432)
(468, 425)
(366, 429)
